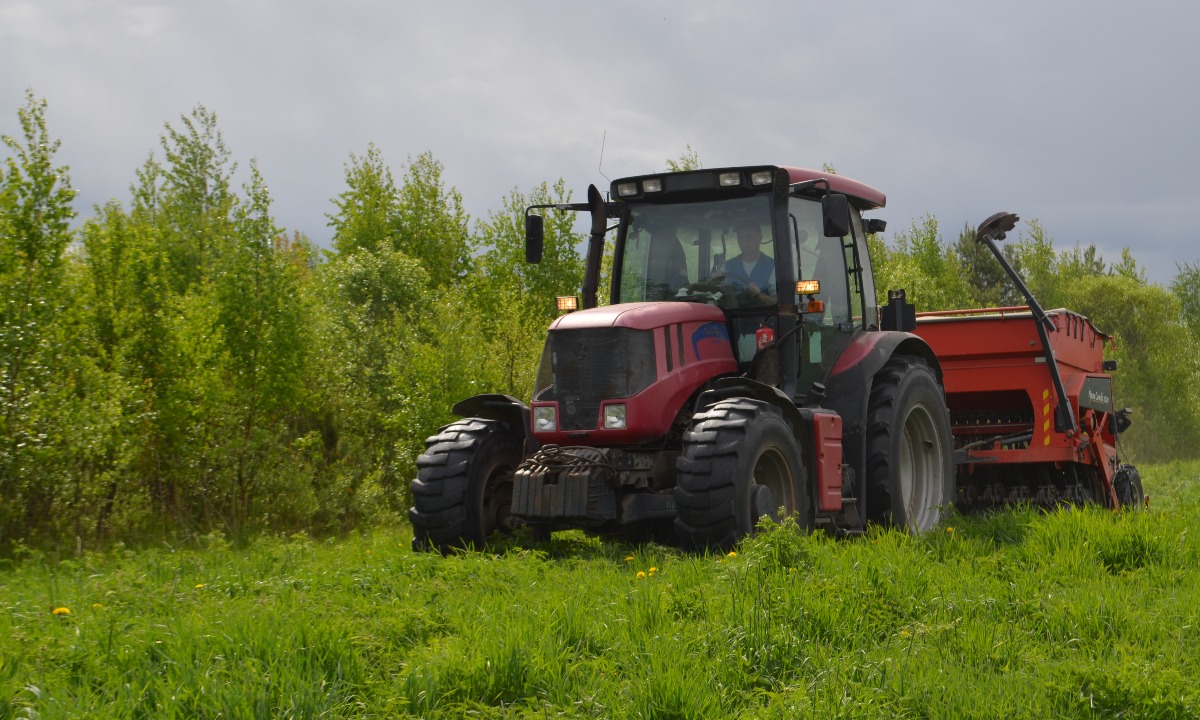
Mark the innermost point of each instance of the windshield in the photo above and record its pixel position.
(721, 251)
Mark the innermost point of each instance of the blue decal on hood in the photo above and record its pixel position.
(709, 331)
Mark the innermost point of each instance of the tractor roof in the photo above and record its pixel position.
(862, 195)
(659, 187)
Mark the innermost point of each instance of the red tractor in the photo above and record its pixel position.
(742, 369)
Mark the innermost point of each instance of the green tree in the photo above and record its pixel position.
(988, 283)
(195, 309)
(185, 204)
(501, 241)
(121, 286)
(688, 160)
(1080, 262)
(385, 256)
(515, 299)
(1034, 254)
(35, 211)
(430, 223)
(190, 198)
(367, 209)
(379, 286)
(264, 351)
(367, 299)
(1186, 286)
(1158, 360)
(1128, 267)
(919, 261)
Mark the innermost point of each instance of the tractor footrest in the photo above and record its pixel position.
(637, 507)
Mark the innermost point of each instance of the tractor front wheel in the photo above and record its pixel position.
(463, 490)
(910, 462)
(740, 462)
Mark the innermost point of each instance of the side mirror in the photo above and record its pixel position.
(835, 214)
(534, 237)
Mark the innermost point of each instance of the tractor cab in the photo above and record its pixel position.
(782, 251)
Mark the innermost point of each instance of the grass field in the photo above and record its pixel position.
(1021, 614)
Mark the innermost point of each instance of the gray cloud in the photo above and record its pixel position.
(1078, 114)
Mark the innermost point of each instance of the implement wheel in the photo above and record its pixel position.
(740, 462)
(1128, 484)
(910, 463)
(463, 490)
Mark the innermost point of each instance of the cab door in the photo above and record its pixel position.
(831, 261)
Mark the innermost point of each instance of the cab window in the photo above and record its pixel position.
(820, 258)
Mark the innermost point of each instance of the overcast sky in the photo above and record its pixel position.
(1080, 114)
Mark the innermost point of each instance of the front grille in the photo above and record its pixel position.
(590, 366)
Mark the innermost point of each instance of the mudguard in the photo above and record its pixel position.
(804, 429)
(744, 387)
(508, 410)
(848, 387)
(730, 387)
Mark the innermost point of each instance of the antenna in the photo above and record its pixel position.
(600, 167)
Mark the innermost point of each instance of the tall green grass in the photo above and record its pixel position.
(1079, 613)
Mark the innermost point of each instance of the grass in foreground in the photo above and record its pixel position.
(1079, 613)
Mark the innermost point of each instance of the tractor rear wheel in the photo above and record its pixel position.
(740, 462)
(910, 462)
(463, 490)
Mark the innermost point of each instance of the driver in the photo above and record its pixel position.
(752, 273)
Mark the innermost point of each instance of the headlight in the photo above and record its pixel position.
(614, 416)
(626, 189)
(730, 179)
(545, 418)
(762, 177)
(652, 185)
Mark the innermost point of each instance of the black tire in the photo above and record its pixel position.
(1128, 484)
(740, 461)
(910, 452)
(463, 489)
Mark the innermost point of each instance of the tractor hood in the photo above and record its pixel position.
(640, 316)
(644, 359)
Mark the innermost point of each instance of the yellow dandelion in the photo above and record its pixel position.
(368, 552)
(641, 575)
(950, 529)
(732, 553)
(628, 558)
(199, 586)
(61, 611)
(653, 569)
(97, 606)
(905, 633)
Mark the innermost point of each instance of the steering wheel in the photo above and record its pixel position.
(707, 291)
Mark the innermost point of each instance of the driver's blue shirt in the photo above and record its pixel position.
(763, 274)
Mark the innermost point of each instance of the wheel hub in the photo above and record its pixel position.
(763, 502)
